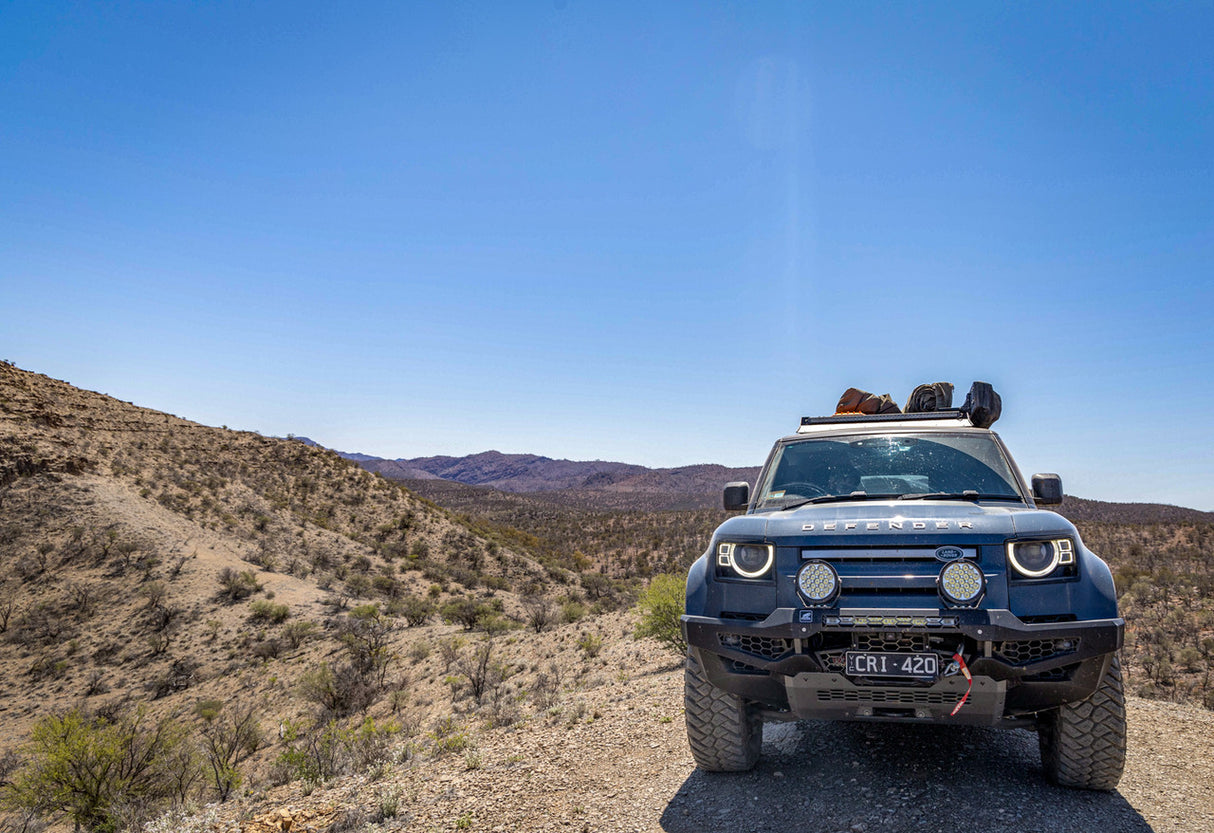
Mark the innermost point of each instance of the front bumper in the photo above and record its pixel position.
(790, 663)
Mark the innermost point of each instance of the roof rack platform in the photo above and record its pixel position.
(955, 414)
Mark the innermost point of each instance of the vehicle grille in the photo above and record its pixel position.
(904, 571)
(889, 641)
(1023, 651)
(767, 647)
(886, 696)
(738, 667)
(1056, 675)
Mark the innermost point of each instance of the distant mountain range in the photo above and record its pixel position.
(608, 485)
(594, 483)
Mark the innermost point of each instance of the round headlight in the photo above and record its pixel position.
(751, 560)
(818, 582)
(1033, 558)
(961, 582)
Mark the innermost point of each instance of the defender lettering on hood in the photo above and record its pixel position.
(874, 526)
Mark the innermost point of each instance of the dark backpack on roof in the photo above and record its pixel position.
(982, 404)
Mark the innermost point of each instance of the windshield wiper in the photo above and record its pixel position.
(968, 494)
(858, 495)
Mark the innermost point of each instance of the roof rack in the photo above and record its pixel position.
(951, 413)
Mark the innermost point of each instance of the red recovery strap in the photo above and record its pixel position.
(968, 678)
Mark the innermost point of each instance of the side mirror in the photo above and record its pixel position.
(1047, 489)
(737, 495)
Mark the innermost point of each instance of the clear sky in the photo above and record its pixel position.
(650, 232)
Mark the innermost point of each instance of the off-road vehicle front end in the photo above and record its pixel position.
(898, 568)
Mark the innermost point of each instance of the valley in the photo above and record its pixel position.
(430, 654)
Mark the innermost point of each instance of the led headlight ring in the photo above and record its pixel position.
(747, 560)
(1037, 559)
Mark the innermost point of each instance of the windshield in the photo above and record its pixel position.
(904, 466)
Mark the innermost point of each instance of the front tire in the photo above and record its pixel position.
(725, 732)
(1083, 744)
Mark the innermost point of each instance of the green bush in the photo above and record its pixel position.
(266, 611)
(97, 769)
(496, 582)
(591, 644)
(659, 608)
(417, 610)
(330, 749)
(366, 633)
(234, 586)
(298, 632)
(469, 612)
(339, 691)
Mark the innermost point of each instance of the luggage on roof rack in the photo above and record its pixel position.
(929, 401)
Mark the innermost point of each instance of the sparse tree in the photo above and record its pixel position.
(297, 632)
(155, 593)
(8, 605)
(338, 692)
(466, 611)
(481, 675)
(541, 612)
(365, 634)
(417, 610)
(660, 607)
(227, 740)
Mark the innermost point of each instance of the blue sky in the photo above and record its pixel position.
(656, 233)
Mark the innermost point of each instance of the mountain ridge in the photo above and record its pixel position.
(605, 483)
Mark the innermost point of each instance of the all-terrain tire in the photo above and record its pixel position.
(725, 732)
(1083, 744)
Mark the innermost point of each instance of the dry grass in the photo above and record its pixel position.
(148, 559)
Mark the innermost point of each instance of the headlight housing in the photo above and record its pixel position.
(1038, 559)
(746, 560)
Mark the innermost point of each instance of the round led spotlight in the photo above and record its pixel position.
(818, 582)
(961, 582)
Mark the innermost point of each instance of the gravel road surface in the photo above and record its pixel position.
(625, 766)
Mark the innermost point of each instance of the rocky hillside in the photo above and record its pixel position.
(1099, 511)
(204, 574)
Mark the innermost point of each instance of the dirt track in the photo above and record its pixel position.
(625, 767)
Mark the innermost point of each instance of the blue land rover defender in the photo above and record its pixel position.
(896, 567)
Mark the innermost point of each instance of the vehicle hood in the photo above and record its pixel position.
(887, 521)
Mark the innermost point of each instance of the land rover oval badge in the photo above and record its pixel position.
(949, 553)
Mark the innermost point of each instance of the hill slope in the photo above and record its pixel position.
(146, 558)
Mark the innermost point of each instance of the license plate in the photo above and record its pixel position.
(885, 664)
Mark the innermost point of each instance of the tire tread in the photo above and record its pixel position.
(724, 732)
(1083, 744)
